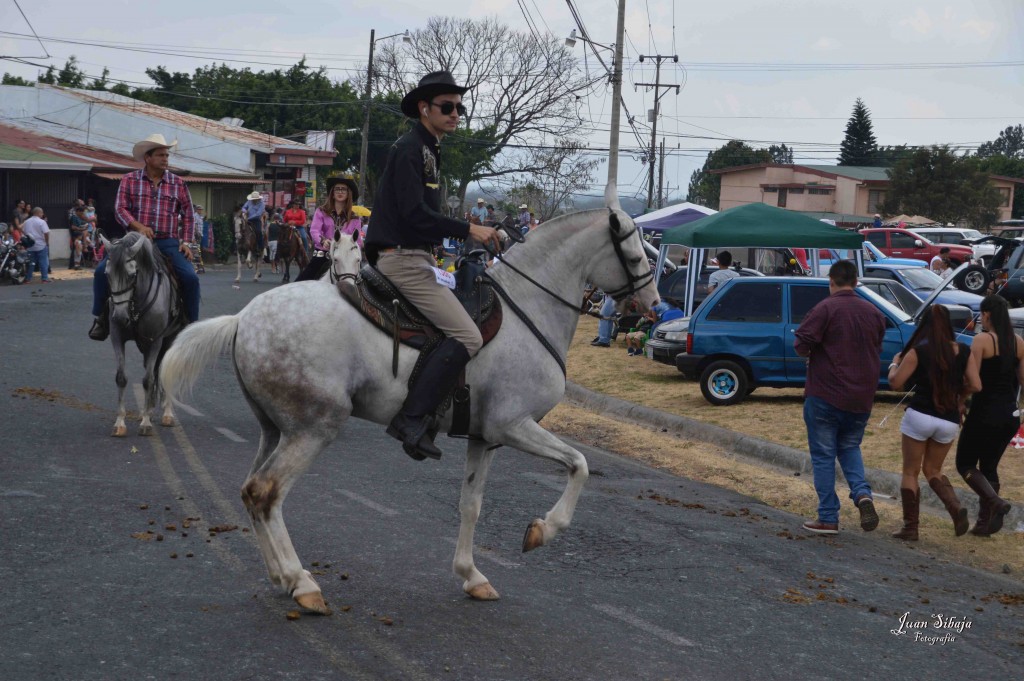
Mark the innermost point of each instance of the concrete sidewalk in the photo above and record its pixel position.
(757, 449)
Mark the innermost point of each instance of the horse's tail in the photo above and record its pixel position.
(194, 348)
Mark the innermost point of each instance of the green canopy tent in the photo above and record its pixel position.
(756, 225)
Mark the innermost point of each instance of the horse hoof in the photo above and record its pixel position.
(119, 431)
(313, 602)
(145, 431)
(483, 592)
(167, 421)
(534, 537)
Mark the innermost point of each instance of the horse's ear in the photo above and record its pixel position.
(337, 235)
(105, 242)
(611, 196)
(613, 218)
(136, 247)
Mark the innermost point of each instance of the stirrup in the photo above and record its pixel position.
(417, 438)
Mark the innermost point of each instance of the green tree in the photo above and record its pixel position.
(780, 153)
(946, 187)
(14, 80)
(890, 155)
(858, 146)
(1010, 143)
(68, 76)
(1007, 166)
(705, 187)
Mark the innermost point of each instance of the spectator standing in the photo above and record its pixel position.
(936, 262)
(39, 252)
(478, 214)
(877, 222)
(79, 232)
(723, 274)
(296, 217)
(936, 367)
(490, 220)
(997, 355)
(20, 214)
(255, 212)
(273, 233)
(524, 218)
(842, 338)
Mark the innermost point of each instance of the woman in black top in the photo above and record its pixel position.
(998, 356)
(936, 367)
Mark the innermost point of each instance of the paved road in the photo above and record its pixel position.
(659, 578)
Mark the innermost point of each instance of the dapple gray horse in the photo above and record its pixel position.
(302, 402)
(143, 309)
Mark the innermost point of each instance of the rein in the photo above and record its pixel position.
(148, 299)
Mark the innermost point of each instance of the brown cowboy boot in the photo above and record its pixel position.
(911, 513)
(944, 490)
(993, 508)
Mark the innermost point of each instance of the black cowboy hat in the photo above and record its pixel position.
(353, 190)
(431, 85)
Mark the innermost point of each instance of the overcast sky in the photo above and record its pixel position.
(784, 71)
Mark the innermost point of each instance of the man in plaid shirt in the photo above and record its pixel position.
(151, 201)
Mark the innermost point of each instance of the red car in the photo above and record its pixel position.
(904, 243)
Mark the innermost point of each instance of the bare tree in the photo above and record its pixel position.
(521, 103)
(548, 192)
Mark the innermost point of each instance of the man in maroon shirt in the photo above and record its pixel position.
(842, 338)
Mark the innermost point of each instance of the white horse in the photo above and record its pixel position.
(302, 399)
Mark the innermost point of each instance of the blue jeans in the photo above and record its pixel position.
(40, 260)
(606, 327)
(835, 434)
(256, 224)
(304, 235)
(187, 277)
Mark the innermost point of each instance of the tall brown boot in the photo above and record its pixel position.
(993, 508)
(911, 513)
(944, 490)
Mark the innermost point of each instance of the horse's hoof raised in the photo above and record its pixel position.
(313, 602)
(483, 592)
(167, 421)
(119, 431)
(145, 431)
(534, 536)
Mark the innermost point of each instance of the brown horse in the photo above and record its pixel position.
(246, 243)
(289, 247)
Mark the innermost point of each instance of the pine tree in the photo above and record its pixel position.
(859, 147)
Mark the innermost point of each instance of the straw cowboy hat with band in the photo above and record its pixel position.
(152, 142)
(255, 196)
(431, 85)
(353, 190)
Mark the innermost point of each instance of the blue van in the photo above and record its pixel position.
(741, 338)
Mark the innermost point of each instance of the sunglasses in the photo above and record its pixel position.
(447, 108)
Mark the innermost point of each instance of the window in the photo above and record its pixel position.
(770, 190)
(796, 190)
(877, 238)
(883, 290)
(901, 240)
(876, 197)
(879, 273)
(819, 190)
(749, 303)
(803, 298)
(1004, 196)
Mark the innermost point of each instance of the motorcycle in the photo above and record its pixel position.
(13, 258)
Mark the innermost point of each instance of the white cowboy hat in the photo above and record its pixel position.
(479, 200)
(523, 207)
(254, 196)
(155, 141)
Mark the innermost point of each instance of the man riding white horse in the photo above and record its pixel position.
(151, 201)
(407, 224)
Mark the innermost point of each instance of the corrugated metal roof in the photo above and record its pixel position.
(13, 153)
(64, 150)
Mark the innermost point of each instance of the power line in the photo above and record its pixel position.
(33, 31)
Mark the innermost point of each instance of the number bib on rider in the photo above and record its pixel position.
(444, 277)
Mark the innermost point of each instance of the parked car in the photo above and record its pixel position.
(1009, 232)
(963, 317)
(871, 254)
(922, 282)
(742, 337)
(1006, 270)
(904, 243)
(1017, 320)
(983, 252)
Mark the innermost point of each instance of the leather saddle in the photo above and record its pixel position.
(380, 302)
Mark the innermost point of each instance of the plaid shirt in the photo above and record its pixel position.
(156, 206)
(842, 336)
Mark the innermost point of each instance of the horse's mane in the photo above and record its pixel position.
(146, 263)
(561, 228)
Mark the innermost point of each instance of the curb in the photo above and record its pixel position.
(753, 447)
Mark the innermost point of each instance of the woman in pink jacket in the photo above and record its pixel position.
(334, 213)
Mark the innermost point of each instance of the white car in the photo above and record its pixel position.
(955, 235)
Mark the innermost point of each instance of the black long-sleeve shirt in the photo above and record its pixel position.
(407, 207)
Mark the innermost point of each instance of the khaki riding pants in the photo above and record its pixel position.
(412, 273)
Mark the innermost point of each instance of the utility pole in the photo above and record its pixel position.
(661, 177)
(366, 123)
(613, 143)
(657, 85)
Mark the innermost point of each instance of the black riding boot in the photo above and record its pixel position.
(101, 325)
(414, 423)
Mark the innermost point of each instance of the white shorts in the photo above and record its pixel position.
(272, 249)
(923, 427)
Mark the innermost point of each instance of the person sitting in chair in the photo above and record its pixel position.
(406, 225)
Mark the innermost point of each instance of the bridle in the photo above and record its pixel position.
(127, 294)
